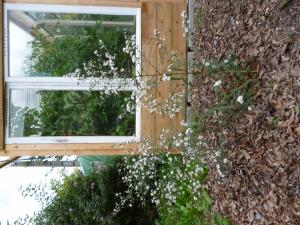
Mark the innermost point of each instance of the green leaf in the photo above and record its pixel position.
(226, 221)
(218, 219)
(207, 197)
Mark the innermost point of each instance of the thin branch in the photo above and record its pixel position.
(8, 161)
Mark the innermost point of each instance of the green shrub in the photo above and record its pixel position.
(89, 200)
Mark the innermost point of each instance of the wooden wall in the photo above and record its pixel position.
(162, 15)
(165, 18)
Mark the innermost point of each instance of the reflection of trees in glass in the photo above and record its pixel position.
(74, 113)
(16, 120)
(77, 113)
(65, 54)
(24, 121)
(65, 113)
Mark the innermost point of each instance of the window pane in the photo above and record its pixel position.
(60, 44)
(70, 113)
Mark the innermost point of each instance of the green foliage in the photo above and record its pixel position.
(199, 16)
(192, 206)
(179, 180)
(219, 220)
(193, 203)
(188, 212)
(32, 122)
(81, 200)
(77, 113)
(70, 52)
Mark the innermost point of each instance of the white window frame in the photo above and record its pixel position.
(63, 83)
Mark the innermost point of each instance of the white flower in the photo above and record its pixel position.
(133, 58)
(185, 22)
(218, 83)
(188, 131)
(249, 108)
(206, 63)
(166, 77)
(183, 123)
(183, 14)
(240, 99)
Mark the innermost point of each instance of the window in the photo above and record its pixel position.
(67, 78)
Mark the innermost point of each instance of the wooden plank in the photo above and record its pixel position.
(2, 89)
(160, 1)
(149, 58)
(179, 43)
(164, 26)
(148, 20)
(68, 149)
(72, 149)
(114, 3)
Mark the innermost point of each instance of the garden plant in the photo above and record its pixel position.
(164, 188)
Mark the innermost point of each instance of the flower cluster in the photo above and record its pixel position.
(173, 104)
(174, 66)
(185, 23)
(130, 47)
(102, 73)
(163, 177)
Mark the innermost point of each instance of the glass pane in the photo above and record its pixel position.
(60, 44)
(70, 113)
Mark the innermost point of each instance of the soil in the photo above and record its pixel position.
(262, 184)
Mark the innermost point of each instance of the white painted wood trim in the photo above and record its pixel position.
(126, 11)
(72, 140)
(68, 83)
(138, 69)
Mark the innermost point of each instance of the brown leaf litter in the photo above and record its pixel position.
(262, 185)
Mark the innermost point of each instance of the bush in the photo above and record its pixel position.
(90, 200)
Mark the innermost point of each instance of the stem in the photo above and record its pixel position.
(162, 74)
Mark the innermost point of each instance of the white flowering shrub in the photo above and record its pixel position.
(176, 183)
(105, 73)
(185, 23)
(173, 183)
(169, 180)
(233, 87)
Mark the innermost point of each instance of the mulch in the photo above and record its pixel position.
(262, 183)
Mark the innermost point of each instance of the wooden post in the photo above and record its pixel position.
(2, 88)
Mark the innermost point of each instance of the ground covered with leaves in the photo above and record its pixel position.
(260, 176)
